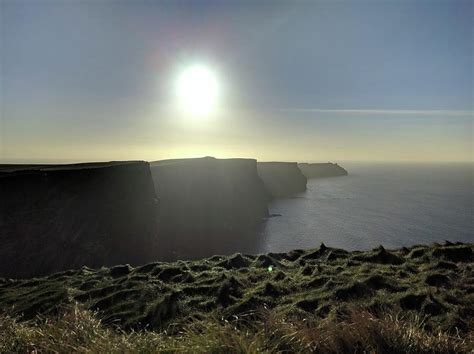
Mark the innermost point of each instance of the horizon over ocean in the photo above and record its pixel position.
(389, 204)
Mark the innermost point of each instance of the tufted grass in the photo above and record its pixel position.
(79, 330)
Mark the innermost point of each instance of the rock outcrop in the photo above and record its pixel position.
(208, 204)
(318, 170)
(58, 217)
(281, 178)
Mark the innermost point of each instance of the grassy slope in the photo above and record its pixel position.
(432, 285)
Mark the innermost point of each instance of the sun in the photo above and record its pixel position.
(197, 90)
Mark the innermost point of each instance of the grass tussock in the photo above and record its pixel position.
(322, 300)
(79, 330)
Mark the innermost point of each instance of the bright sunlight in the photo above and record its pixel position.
(197, 90)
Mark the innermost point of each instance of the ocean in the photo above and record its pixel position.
(389, 204)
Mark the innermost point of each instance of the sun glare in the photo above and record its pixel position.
(197, 90)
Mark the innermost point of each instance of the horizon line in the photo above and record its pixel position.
(13, 161)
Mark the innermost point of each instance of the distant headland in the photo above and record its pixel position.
(319, 170)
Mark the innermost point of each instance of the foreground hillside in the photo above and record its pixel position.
(407, 300)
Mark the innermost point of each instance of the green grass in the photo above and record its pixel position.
(324, 300)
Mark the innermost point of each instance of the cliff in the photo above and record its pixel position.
(281, 178)
(58, 217)
(208, 204)
(317, 170)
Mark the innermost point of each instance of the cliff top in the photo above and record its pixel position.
(277, 163)
(200, 160)
(6, 168)
(319, 163)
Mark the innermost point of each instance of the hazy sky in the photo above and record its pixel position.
(301, 80)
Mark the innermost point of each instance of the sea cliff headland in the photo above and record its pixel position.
(281, 179)
(57, 217)
(319, 170)
(206, 203)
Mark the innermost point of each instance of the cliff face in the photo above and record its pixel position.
(54, 218)
(281, 178)
(206, 203)
(316, 170)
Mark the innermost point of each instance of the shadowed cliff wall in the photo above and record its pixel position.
(317, 170)
(281, 178)
(207, 205)
(54, 218)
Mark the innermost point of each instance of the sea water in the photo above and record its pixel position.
(391, 204)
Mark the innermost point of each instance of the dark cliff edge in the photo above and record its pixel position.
(318, 170)
(281, 178)
(57, 217)
(207, 205)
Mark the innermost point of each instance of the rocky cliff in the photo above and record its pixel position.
(54, 218)
(281, 178)
(207, 204)
(317, 170)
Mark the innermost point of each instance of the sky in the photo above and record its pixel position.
(312, 80)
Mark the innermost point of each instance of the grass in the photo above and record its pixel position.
(415, 300)
(78, 330)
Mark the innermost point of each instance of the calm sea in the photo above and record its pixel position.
(392, 205)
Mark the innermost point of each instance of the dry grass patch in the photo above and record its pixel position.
(78, 330)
